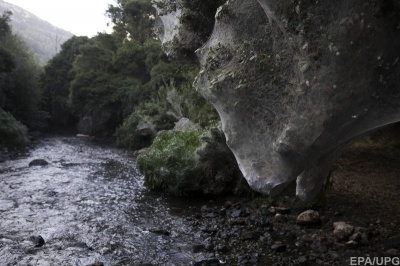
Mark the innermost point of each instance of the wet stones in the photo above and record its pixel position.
(309, 218)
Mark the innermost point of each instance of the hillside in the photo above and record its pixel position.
(44, 38)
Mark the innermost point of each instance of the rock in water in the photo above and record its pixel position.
(293, 84)
(38, 162)
(37, 240)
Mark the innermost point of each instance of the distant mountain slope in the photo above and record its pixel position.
(44, 38)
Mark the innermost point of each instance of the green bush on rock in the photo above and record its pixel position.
(12, 132)
(171, 160)
(192, 162)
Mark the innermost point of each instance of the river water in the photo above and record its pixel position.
(89, 205)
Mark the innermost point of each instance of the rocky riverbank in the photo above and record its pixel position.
(254, 232)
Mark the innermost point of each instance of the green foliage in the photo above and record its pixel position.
(91, 91)
(7, 63)
(95, 84)
(196, 108)
(133, 18)
(24, 96)
(93, 57)
(126, 132)
(55, 82)
(175, 91)
(20, 92)
(171, 160)
(12, 132)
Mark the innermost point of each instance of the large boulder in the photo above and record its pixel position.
(294, 82)
(144, 134)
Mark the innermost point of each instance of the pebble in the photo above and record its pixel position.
(308, 218)
(392, 251)
(342, 230)
(280, 218)
(351, 243)
(302, 259)
(356, 236)
(236, 213)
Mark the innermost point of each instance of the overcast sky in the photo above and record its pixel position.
(80, 17)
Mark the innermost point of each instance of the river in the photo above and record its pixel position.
(89, 205)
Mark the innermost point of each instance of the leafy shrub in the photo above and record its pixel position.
(12, 132)
(126, 132)
(171, 160)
